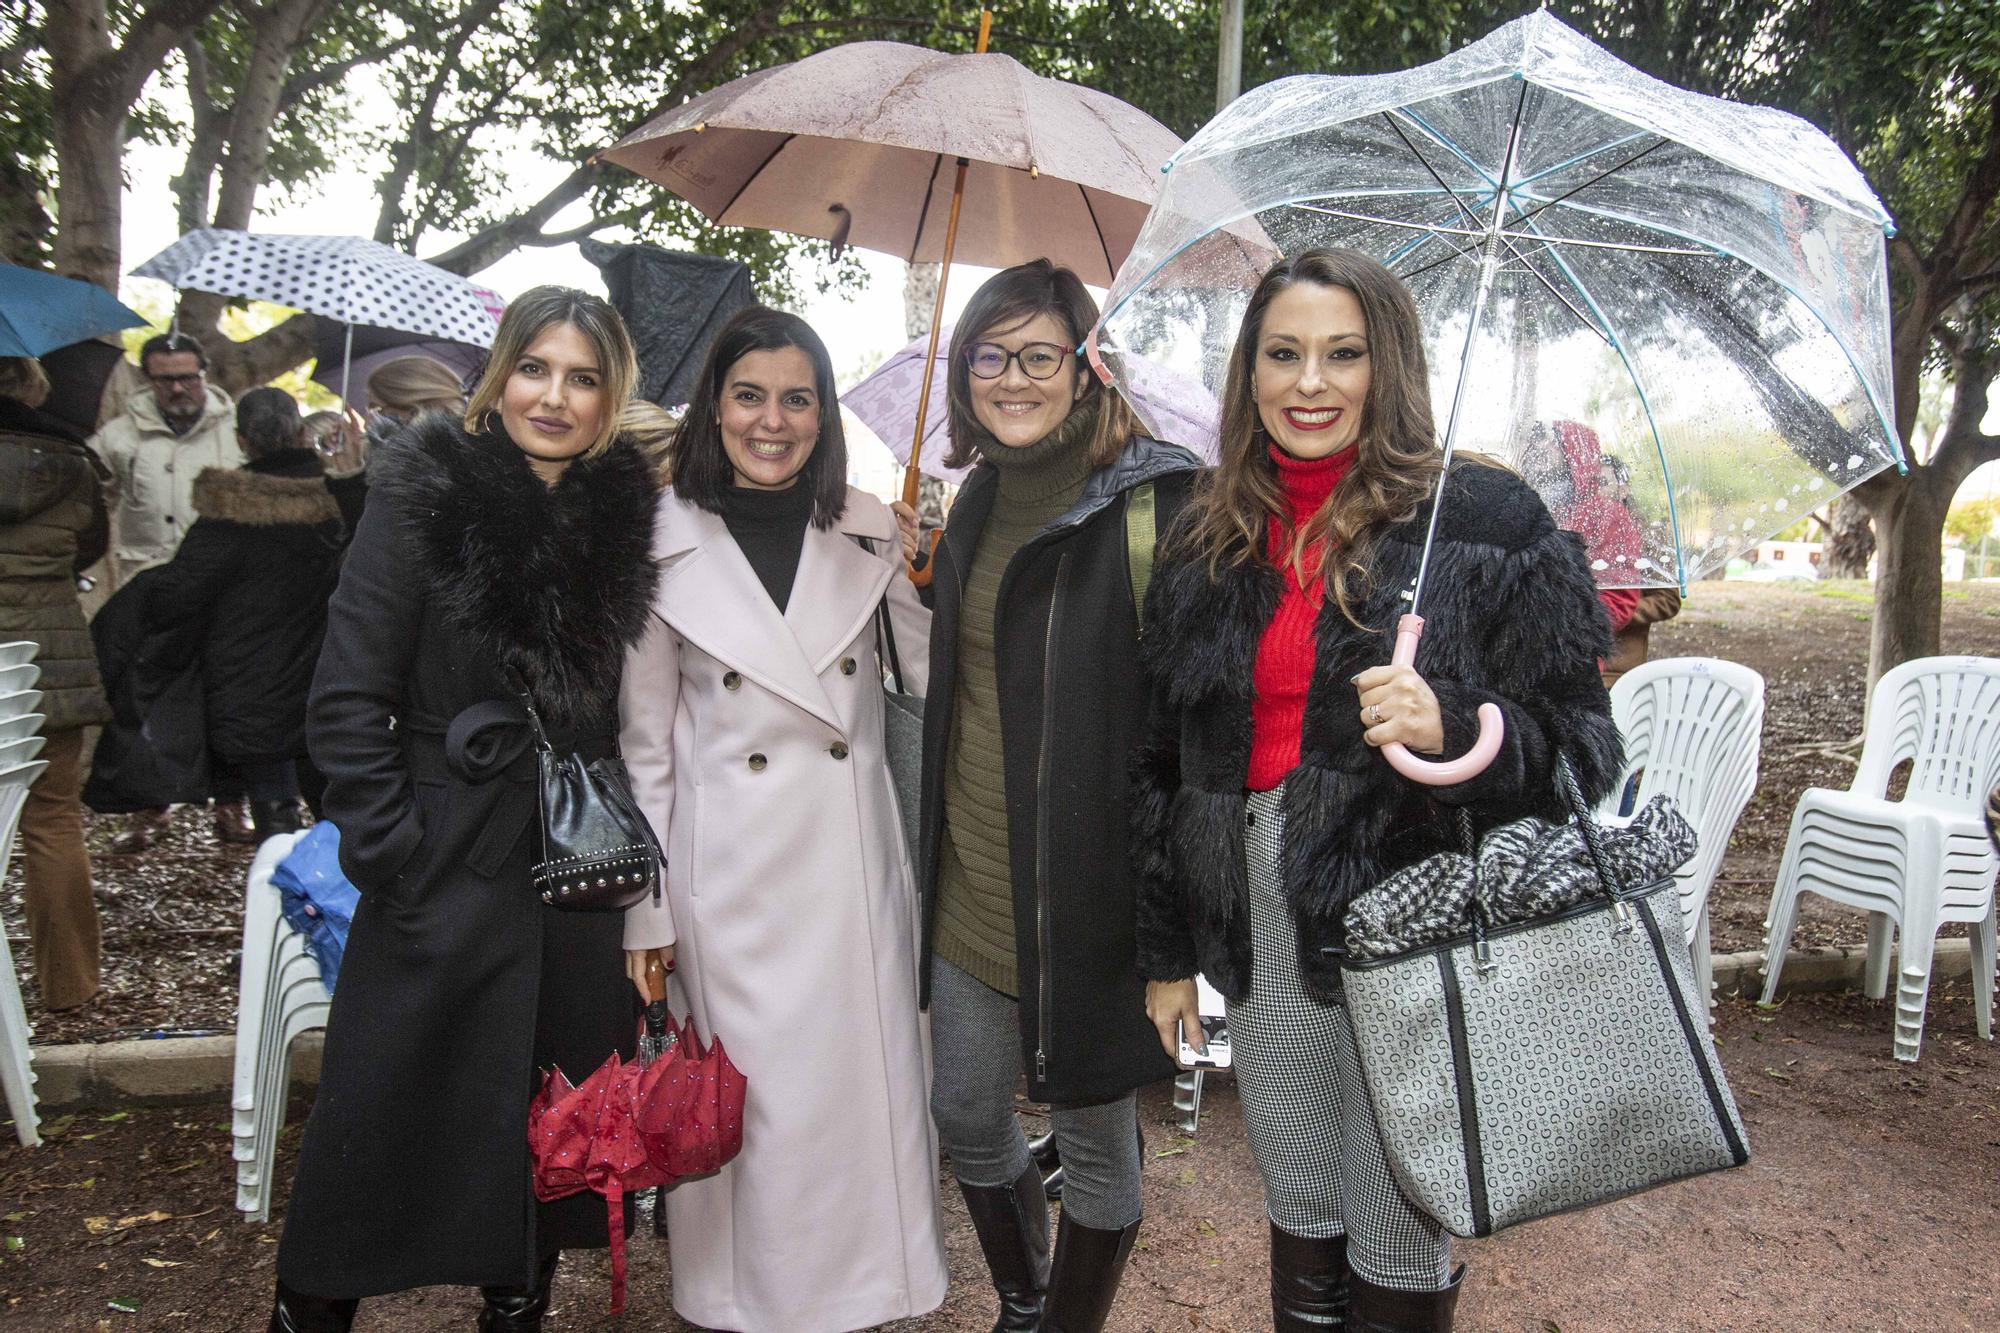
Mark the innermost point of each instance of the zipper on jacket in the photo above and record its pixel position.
(1044, 974)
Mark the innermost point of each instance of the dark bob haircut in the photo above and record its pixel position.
(701, 465)
(267, 421)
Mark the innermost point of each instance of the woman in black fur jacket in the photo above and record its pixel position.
(513, 545)
(1260, 804)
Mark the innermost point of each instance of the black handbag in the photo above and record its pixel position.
(598, 852)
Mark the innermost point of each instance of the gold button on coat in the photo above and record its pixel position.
(838, 749)
(731, 681)
(757, 762)
(846, 666)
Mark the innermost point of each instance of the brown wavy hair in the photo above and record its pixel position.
(1397, 460)
(540, 308)
(1010, 298)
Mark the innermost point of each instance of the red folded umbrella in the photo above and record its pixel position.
(633, 1126)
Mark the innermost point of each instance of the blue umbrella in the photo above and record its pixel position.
(40, 312)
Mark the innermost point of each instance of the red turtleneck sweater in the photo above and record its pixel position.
(1285, 653)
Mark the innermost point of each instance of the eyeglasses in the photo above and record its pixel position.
(176, 381)
(1039, 361)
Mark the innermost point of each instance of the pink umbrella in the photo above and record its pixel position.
(1173, 408)
(854, 145)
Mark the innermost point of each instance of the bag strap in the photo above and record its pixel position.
(885, 629)
(1141, 536)
(521, 692)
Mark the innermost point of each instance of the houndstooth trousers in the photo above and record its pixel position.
(1305, 1104)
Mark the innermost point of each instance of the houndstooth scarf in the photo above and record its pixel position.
(1526, 869)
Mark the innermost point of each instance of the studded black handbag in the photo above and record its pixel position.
(598, 853)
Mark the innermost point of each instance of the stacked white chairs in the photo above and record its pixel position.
(1913, 864)
(279, 997)
(19, 743)
(1692, 729)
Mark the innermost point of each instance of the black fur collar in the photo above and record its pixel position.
(553, 582)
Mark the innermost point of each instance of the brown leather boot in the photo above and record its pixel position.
(143, 828)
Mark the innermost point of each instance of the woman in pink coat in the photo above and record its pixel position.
(753, 729)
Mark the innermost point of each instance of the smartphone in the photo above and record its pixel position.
(1214, 1030)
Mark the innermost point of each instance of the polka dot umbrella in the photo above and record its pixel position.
(346, 279)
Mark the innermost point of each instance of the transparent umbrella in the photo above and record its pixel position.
(1668, 311)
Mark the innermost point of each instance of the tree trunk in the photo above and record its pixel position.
(920, 289)
(90, 159)
(1909, 575)
(240, 366)
(1850, 541)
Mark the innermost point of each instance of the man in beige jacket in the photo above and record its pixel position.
(164, 438)
(171, 429)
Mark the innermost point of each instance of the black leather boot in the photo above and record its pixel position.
(1012, 1223)
(295, 1312)
(1373, 1309)
(1308, 1282)
(519, 1309)
(1084, 1281)
(269, 817)
(1049, 1162)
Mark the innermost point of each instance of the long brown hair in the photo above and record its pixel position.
(1397, 458)
(526, 316)
(1010, 298)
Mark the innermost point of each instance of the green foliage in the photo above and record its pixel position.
(1973, 519)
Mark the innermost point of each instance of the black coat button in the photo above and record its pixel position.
(731, 681)
(846, 666)
(757, 762)
(838, 749)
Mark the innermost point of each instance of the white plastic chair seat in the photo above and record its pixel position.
(20, 751)
(20, 726)
(1692, 728)
(22, 677)
(1915, 864)
(16, 702)
(17, 1074)
(18, 653)
(279, 997)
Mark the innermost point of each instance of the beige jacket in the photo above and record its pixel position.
(152, 476)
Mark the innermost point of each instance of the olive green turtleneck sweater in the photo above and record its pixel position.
(975, 920)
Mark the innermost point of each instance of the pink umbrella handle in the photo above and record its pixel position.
(1440, 773)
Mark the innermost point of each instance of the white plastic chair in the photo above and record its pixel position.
(17, 1075)
(22, 677)
(21, 750)
(19, 652)
(279, 997)
(20, 726)
(1913, 864)
(1692, 728)
(15, 703)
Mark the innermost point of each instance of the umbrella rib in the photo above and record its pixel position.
(1610, 171)
(751, 179)
(924, 212)
(1083, 191)
(1463, 207)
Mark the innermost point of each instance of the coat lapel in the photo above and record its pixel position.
(836, 590)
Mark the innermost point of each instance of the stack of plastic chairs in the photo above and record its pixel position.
(1692, 729)
(279, 997)
(1914, 864)
(20, 742)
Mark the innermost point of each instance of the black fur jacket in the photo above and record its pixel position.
(551, 582)
(1511, 617)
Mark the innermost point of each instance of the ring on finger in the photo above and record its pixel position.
(1375, 714)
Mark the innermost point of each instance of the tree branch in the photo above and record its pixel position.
(403, 162)
(164, 26)
(303, 84)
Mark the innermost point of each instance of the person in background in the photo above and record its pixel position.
(245, 597)
(1565, 464)
(399, 391)
(169, 431)
(52, 526)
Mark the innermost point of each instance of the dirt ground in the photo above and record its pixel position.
(1869, 1205)
(173, 916)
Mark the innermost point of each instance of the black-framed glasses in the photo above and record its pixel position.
(1038, 361)
(178, 381)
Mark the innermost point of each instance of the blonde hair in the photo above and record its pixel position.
(651, 427)
(23, 379)
(416, 384)
(541, 308)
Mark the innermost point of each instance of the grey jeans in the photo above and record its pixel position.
(976, 1046)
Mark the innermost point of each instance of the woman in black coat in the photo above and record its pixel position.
(514, 545)
(1261, 804)
(244, 600)
(1035, 700)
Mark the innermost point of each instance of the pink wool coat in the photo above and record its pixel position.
(755, 745)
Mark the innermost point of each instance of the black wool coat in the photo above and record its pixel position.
(458, 984)
(245, 597)
(1511, 618)
(1072, 705)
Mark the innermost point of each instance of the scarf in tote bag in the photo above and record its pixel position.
(1529, 1022)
